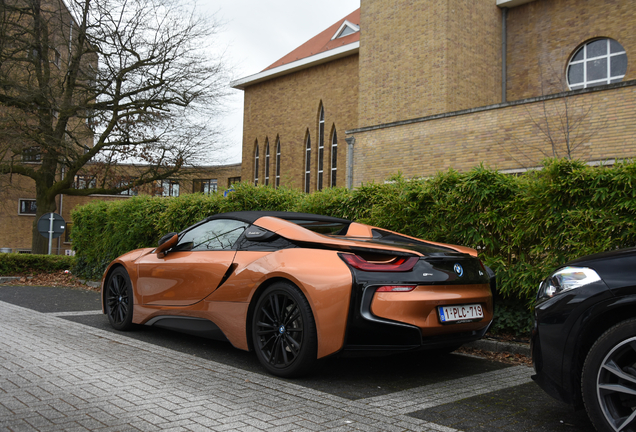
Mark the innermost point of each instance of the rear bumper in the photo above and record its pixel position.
(396, 322)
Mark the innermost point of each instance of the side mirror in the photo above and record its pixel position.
(166, 242)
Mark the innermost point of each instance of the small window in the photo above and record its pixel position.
(27, 207)
(598, 62)
(67, 233)
(256, 165)
(277, 163)
(84, 182)
(266, 163)
(334, 158)
(307, 164)
(207, 187)
(167, 188)
(232, 181)
(32, 154)
(56, 57)
(321, 148)
(129, 192)
(219, 234)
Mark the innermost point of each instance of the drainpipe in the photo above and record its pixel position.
(504, 47)
(350, 142)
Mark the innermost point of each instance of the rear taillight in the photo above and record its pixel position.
(398, 264)
(396, 288)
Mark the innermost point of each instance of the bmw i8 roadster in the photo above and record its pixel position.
(296, 287)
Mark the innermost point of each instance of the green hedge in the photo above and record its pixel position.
(14, 263)
(522, 226)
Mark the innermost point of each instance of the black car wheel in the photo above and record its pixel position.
(284, 331)
(118, 299)
(608, 382)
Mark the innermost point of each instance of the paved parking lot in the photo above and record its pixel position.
(63, 368)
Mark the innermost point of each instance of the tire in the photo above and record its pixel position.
(284, 331)
(608, 382)
(118, 299)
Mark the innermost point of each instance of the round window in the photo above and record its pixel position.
(598, 62)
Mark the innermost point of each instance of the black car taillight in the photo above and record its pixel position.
(396, 264)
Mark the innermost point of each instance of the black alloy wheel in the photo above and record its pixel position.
(118, 299)
(284, 331)
(609, 379)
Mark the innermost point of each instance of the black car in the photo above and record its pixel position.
(584, 337)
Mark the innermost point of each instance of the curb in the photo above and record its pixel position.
(499, 346)
(6, 279)
(92, 284)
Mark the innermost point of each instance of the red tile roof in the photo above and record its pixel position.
(322, 42)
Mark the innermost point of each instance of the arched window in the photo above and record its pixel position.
(321, 147)
(256, 165)
(334, 157)
(266, 162)
(598, 62)
(307, 163)
(277, 162)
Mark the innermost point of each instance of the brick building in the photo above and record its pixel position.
(421, 86)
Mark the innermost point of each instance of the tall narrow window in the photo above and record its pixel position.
(278, 162)
(307, 163)
(321, 147)
(266, 162)
(334, 158)
(256, 165)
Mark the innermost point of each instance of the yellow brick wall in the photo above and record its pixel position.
(286, 108)
(502, 138)
(423, 57)
(544, 34)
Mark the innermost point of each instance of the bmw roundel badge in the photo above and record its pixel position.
(459, 270)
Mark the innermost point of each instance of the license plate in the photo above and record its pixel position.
(460, 313)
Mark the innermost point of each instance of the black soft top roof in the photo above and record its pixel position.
(253, 216)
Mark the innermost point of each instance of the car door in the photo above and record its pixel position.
(192, 269)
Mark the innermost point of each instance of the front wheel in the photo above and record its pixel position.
(608, 382)
(284, 331)
(118, 299)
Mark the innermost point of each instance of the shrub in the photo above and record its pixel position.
(14, 263)
(523, 227)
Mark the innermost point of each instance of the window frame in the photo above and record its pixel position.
(266, 162)
(171, 189)
(33, 201)
(585, 61)
(277, 182)
(334, 158)
(321, 149)
(307, 163)
(256, 161)
(211, 183)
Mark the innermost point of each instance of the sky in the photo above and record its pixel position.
(256, 33)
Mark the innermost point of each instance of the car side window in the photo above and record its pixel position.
(219, 234)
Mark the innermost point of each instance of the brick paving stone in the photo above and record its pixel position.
(58, 375)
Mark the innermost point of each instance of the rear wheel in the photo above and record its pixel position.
(284, 331)
(608, 382)
(118, 299)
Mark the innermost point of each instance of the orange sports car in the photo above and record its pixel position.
(296, 288)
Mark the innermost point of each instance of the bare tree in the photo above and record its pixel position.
(562, 127)
(101, 82)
